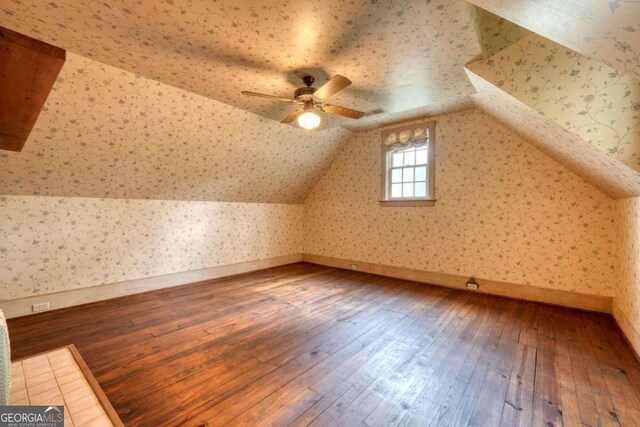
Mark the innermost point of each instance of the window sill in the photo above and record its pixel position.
(407, 203)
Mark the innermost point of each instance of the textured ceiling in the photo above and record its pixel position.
(108, 133)
(401, 55)
(605, 30)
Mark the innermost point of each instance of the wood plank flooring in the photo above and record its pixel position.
(309, 345)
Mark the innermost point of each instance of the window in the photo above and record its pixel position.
(408, 166)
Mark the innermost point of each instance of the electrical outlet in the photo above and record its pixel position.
(254, 267)
(43, 306)
(354, 267)
(472, 284)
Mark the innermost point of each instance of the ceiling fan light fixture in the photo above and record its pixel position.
(312, 97)
(309, 120)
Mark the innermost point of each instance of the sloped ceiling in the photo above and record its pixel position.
(604, 172)
(578, 110)
(607, 30)
(588, 98)
(105, 132)
(494, 32)
(400, 55)
(436, 109)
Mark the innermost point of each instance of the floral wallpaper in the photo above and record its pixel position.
(504, 211)
(152, 170)
(595, 166)
(588, 98)
(52, 244)
(606, 30)
(399, 54)
(105, 132)
(627, 295)
(494, 32)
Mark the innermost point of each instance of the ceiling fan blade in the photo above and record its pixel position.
(262, 95)
(342, 111)
(291, 117)
(333, 86)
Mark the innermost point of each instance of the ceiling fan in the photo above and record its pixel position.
(312, 98)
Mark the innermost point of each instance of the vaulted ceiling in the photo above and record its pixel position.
(400, 55)
(576, 108)
(144, 107)
(608, 31)
(108, 133)
(606, 173)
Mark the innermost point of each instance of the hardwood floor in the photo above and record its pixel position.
(310, 345)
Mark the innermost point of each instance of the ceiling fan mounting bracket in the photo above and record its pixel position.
(308, 80)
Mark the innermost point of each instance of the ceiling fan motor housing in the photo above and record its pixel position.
(304, 93)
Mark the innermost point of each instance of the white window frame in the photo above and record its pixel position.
(387, 158)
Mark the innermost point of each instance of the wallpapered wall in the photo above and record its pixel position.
(605, 30)
(596, 167)
(105, 132)
(627, 295)
(588, 98)
(505, 211)
(494, 32)
(52, 244)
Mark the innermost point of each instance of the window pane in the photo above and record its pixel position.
(421, 173)
(407, 190)
(409, 158)
(396, 190)
(396, 175)
(407, 174)
(397, 159)
(421, 157)
(421, 189)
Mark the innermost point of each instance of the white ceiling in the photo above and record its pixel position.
(401, 55)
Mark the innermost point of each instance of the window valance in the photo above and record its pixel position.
(408, 137)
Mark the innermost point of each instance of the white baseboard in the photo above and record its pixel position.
(628, 329)
(22, 306)
(588, 302)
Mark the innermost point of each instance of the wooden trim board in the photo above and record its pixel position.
(22, 306)
(97, 390)
(407, 203)
(588, 302)
(28, 70)
(91, 381)
(629, 331)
